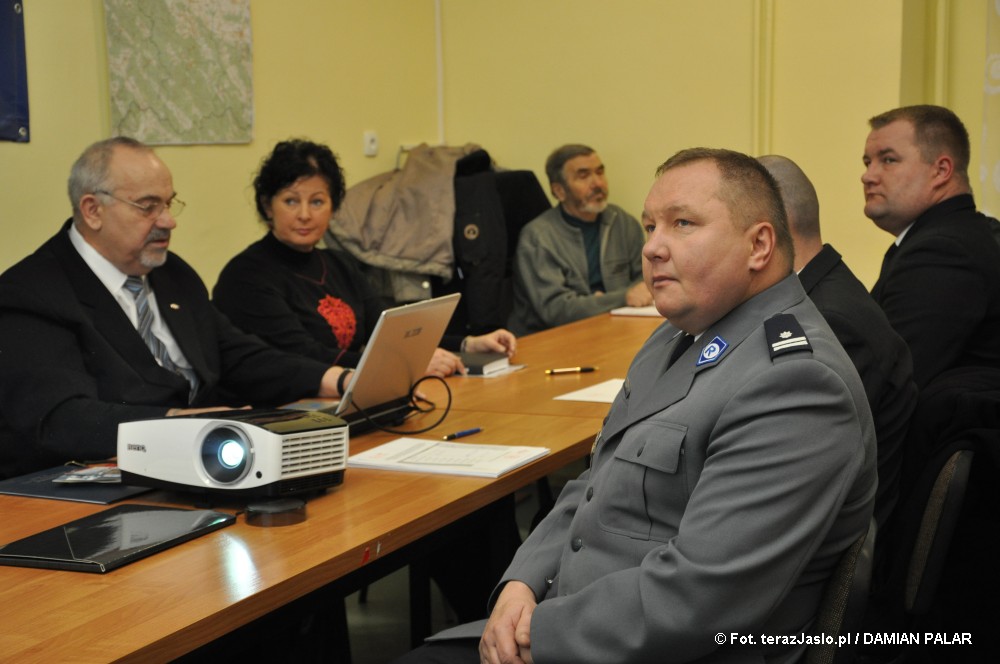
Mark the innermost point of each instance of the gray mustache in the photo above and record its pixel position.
(157, 234)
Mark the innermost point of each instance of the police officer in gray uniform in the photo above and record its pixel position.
(725, 483)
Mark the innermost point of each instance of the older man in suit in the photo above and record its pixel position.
(735, 466)
(102, 324)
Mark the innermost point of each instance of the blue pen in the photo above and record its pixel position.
(463, 433)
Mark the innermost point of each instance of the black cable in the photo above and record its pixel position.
(414, 404)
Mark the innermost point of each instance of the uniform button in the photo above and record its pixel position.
(590, 492)
(577, 543)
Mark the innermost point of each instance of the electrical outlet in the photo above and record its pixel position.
(370, 143)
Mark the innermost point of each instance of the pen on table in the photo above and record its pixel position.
(567, 370)
(463, 433)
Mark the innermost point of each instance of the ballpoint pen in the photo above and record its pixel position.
(567, 370)
(463, 433)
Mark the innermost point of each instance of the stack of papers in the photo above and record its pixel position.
(428, 456)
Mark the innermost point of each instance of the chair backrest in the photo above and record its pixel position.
(937, 525)
(491, 207)
(844, 601)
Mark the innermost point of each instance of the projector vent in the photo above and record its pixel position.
(313, 451)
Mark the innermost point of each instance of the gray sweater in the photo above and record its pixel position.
(550, 269)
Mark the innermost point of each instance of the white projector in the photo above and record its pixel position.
(265, 453)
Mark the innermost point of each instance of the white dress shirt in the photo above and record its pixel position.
(114, 280)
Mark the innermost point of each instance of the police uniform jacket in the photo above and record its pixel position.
(721, 495)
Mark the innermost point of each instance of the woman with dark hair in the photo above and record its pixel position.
(309, 300)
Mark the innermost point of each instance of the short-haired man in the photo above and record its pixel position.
(940, 289)
(880, 355)
(940, 281)
(580, 258)
(102, 324)
(730, 474)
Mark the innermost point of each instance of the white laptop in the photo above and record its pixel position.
(396, 356)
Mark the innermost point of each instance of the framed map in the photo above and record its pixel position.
(180, 71)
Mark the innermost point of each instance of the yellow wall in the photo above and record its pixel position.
(826, 85)
(323, 69)
(641, 79)
(637, 79)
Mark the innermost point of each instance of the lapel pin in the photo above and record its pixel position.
(175, 306)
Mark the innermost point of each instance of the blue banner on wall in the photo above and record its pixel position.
(13, 74)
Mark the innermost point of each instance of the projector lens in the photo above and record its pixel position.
(231, 454)
(226, 455)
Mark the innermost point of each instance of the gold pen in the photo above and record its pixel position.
(569, 370)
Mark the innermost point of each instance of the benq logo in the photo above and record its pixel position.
(133, 447)
(414, 332)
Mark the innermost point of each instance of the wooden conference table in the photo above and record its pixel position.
(169, 604)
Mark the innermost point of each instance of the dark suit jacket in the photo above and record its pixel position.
(72, 366)
(941, 290)
(881, 357)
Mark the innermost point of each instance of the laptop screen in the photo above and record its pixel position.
(396, 356)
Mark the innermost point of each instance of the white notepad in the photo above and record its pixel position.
(429, 456)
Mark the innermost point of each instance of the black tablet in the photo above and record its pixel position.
(111, 538)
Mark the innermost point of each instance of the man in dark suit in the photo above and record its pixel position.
(940, 281)
(940, 289)
(735, 466)
(880, 355)
(102, 325)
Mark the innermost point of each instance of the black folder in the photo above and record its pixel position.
(111, 538)
(40, 485)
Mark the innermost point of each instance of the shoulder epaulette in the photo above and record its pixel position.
(785, 335)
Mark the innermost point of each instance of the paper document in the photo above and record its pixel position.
(601, 393)
(649, 312)
(428, 456)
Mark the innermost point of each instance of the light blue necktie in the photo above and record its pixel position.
(137, 287)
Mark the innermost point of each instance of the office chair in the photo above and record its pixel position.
(937, 526)
(491, 207)
(931, 517)
(844, 601)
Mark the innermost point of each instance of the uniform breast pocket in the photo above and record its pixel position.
(644, 488)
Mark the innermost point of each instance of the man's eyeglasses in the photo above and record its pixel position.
(150, 210)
